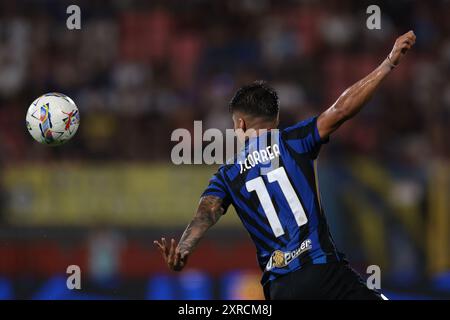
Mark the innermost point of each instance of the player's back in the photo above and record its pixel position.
(272, 185)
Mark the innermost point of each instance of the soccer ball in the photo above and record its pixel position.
(53, 119)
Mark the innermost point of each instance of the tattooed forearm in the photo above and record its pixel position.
(208, 213)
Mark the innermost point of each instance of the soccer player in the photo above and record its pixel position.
(279, 204)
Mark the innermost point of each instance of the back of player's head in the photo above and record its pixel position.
(256, 99)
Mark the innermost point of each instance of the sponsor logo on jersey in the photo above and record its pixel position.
(280, 259)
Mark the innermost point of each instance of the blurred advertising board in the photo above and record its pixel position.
(121, 194)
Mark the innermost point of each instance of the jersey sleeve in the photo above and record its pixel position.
(304, 137)
(217, 187)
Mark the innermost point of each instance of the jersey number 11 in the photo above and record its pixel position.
(295, 205)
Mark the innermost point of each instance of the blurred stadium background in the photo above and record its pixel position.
(140, 69)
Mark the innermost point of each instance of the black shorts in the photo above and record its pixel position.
(331, 281)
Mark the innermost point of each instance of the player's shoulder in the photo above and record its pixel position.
(304, 137)
(230, 169)
(223, 168)
(305, 126)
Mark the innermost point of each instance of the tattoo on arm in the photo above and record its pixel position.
(208, 213)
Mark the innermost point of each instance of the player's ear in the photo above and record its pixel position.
(242, 125)
(277, 121)
(239, 128)
(239, 122)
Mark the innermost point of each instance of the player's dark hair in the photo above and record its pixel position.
(256, 99)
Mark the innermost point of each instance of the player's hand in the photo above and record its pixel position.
(401, 46)
(174, 259)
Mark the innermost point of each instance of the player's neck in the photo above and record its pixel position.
(255, 132)
(261, 126)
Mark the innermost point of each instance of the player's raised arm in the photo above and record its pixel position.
(208, 213)
(353, 99)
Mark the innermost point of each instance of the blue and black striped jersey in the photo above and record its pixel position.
(272, 184)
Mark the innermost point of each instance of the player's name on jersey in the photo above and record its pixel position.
(259, 157)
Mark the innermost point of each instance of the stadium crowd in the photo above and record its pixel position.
(137, 74)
